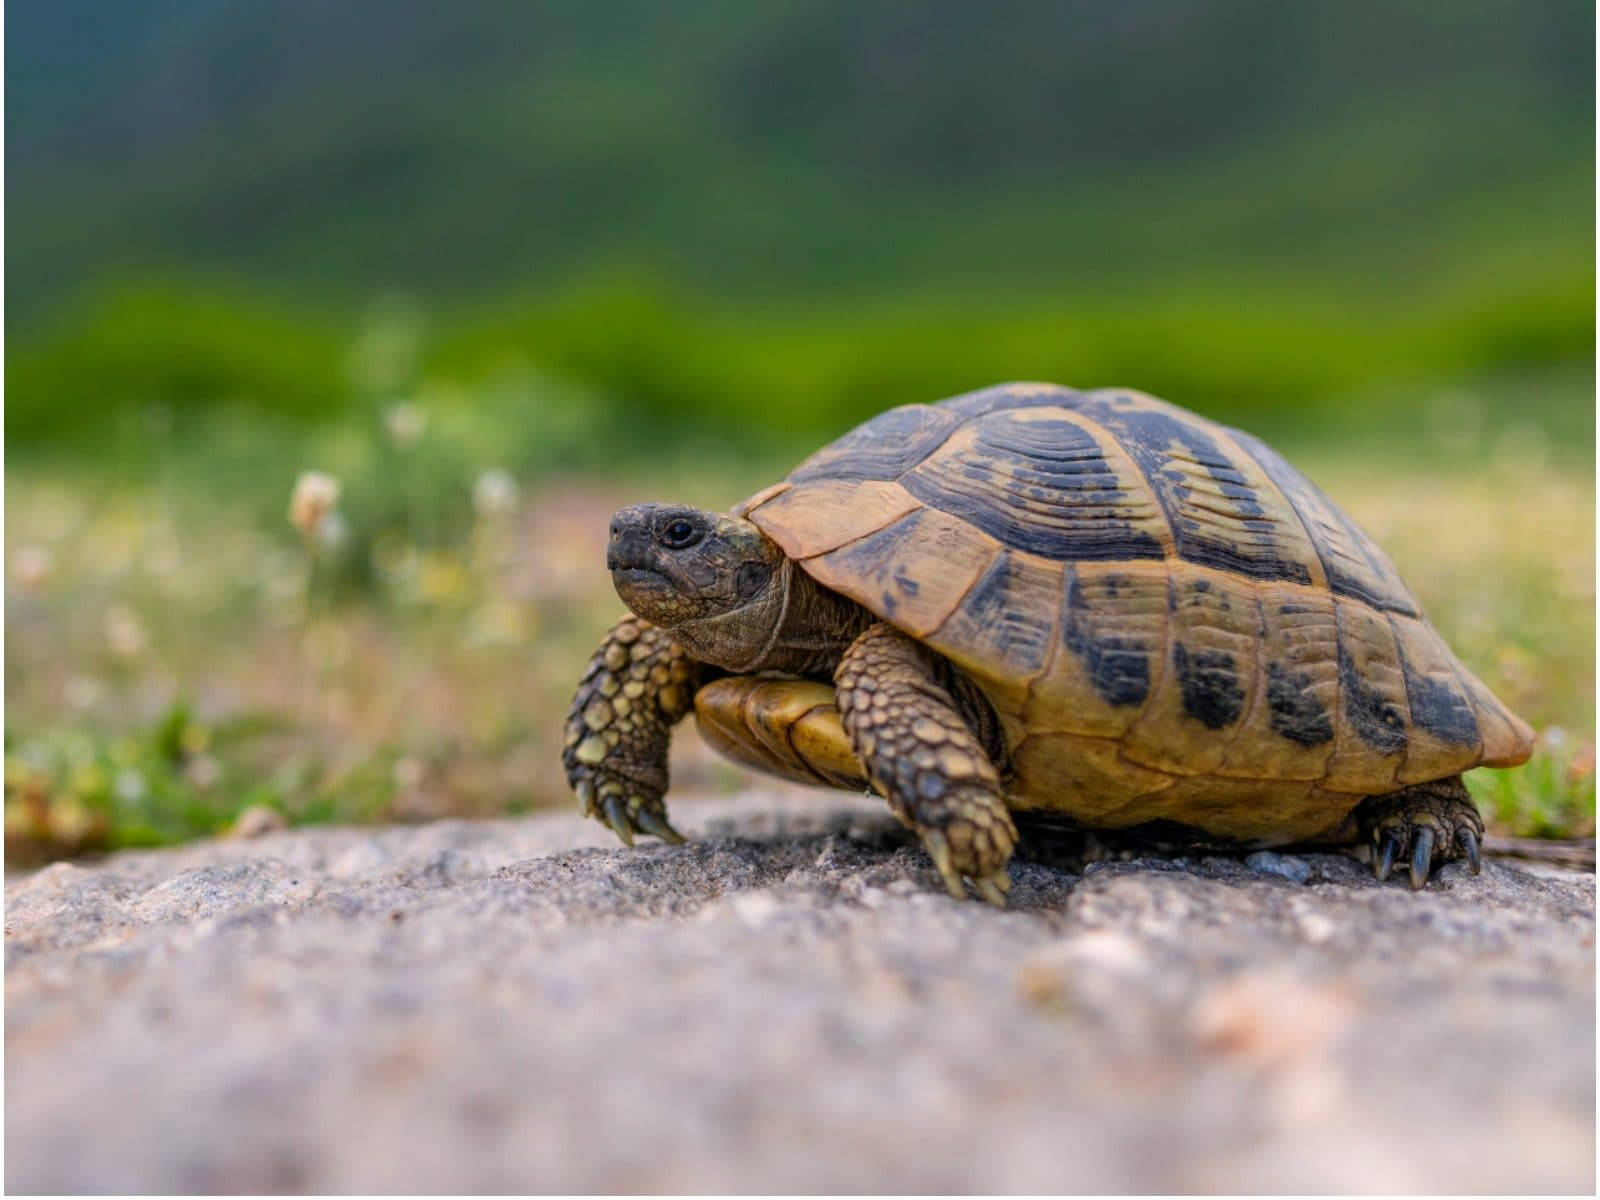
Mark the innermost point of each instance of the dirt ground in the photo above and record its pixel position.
(787, 1003)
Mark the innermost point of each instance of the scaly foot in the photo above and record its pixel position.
(1427, 824)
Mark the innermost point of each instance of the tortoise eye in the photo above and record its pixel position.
(679, 534)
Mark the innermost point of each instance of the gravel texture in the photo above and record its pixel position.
(788, 1003)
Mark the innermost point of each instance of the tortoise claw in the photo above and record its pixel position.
(1421, 857)
(615, 815)
(626, 814)
(653, 823)
(938, 848)
(991, 883)
(990, 889)
(1387, 849)
(1428, 824)
(585, 792)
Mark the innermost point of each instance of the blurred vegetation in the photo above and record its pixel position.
(498, 268)
(649, 369)
(801, 212)
(803, 148)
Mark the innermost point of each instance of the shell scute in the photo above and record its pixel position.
(1351, 562)
(1208, 682)
(885, 447)
(1040, 480)
(1086, 776)
(1444, 729)
(1374, 717)
(1113, 631)
(1507, 738)
(1223, 510)
(1289, 731)
(787, 727)
(1244, 811)
(892, 571)
(1008, 620)
(830, 513)
(1006, 396)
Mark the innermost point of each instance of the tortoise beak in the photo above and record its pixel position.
(631, 547)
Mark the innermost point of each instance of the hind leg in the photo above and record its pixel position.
(1427, 823)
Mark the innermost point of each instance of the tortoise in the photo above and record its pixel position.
(1087, 608)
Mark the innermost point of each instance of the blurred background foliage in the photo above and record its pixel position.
(498, 267)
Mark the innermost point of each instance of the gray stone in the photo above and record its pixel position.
(788, 1003)
(1285, 866)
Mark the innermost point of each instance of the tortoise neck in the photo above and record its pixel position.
(814, 628)
(795, 626)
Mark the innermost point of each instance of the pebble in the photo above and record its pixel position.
(1285, 866)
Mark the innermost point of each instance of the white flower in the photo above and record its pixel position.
(82, 692)
(405, 422)
(32, 565)
(316, 494)
(130, 785)
(332, 531)
(125, 633)
(495, 494)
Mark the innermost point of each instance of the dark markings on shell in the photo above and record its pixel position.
(1040, 486)
(1004, 620)
(1249, 548)
(1373, 582)
(880, 559)
(1375, 719)
(1296, 712)
(886, 447)
(1118, 667)
(1437, 707)
(1209, 683)
(992, 399)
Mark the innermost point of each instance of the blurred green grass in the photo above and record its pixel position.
(655, 365)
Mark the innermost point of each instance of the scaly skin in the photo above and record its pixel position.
(924, 758)
(1431, 823)
(636, 687)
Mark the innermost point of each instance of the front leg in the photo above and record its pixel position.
(921, 754)
(636, 687)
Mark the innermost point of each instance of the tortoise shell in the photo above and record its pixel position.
(1172, 623)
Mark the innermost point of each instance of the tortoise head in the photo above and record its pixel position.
(716, 584)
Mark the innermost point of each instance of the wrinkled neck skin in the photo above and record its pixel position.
(794, 627)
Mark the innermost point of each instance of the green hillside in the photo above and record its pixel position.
(1247, 204)
(784, 148)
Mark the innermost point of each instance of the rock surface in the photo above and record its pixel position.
(789, 1003)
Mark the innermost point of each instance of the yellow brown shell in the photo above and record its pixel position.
(1171, 622)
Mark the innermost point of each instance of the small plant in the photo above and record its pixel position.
(1551, 795)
